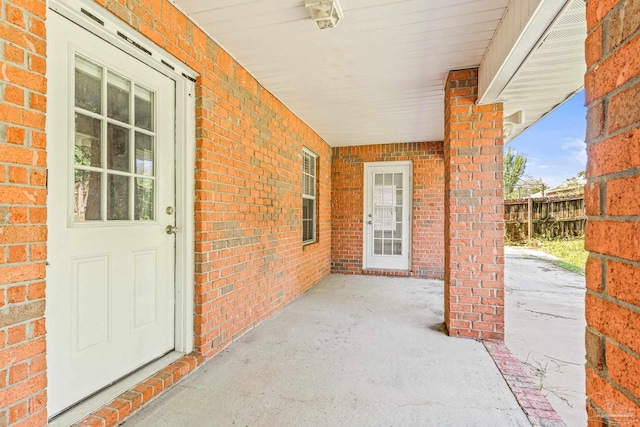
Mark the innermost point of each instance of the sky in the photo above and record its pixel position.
(555, 145)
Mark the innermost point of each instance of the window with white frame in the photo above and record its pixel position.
(309, 197)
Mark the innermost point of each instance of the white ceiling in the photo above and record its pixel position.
(376, 78)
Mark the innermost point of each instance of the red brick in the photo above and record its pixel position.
(36, 7)
(37, 27)
(25, 40)
(21, 352)
(17, 412)
(618, 200)
(26, 79)
(622, 282)
(623, 368)
(122, 407)
(607, 396)
(18, 373)
(19, 215)
(37, 101)
(38, 140)
(17, 334)
(595, 121)
(21, 155)
(38, 178)
(36, 290)
(597, 10)
(14, 95)
(593, 46)
(23, 233)
(17, 294)
(14, 15)
(600, 238)
(593, 273)
(15, 135)
(38, 215)
(38, 364)
(146, 391)
(38, 328)
(37, 403)
(614, 321)
(615, 154)
(17, 254)
(595, 350)
(613, 72)
(38, 252)
(624, 107)
(592, 198)
(110, 416)
(17, 175)
(623, 23)
(37, 419)
(13, 54)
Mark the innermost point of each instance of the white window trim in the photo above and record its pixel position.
(314, 197)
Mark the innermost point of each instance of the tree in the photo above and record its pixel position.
(514, 165)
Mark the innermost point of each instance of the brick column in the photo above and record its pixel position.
(612, 86)
(474, 212)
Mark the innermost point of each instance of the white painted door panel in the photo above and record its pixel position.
(110, 291)
(387, 221)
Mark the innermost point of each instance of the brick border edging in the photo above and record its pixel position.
(528, 395)
(129, 402)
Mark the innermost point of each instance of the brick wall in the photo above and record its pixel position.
(612, 86)
(22, 213)
(347, 205)
(474, 211)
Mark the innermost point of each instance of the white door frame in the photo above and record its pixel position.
(367, 200)
(84, 13)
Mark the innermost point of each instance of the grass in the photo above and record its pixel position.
(570, 251)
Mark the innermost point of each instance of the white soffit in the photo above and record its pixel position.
(553, 71)
(376, 78)
(519, 31)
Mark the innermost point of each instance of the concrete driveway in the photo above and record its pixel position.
(545, 324)
(353, 351)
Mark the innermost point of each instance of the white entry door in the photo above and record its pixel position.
(111, 195)
(387, 215)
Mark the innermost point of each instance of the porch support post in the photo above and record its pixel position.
(474, 211)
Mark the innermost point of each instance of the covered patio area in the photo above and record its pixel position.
(353, 350)
(174, 173)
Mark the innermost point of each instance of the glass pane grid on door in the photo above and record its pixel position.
(387, 213)
(114, 146)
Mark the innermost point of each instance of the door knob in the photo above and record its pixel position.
(369, 222)
(171, 229)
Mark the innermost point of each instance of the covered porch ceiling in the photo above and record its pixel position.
(379, 76)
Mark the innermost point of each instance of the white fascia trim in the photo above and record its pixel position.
(501, 62)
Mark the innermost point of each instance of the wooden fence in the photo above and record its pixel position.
(548, 217)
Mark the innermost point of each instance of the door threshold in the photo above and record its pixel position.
(106, 395)
(386, 272)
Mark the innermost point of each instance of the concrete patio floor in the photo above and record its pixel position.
(545, 324)
(352, 351)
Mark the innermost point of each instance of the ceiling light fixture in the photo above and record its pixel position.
(326, 13)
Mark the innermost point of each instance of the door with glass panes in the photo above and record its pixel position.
(111, 195)
(387, 216)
